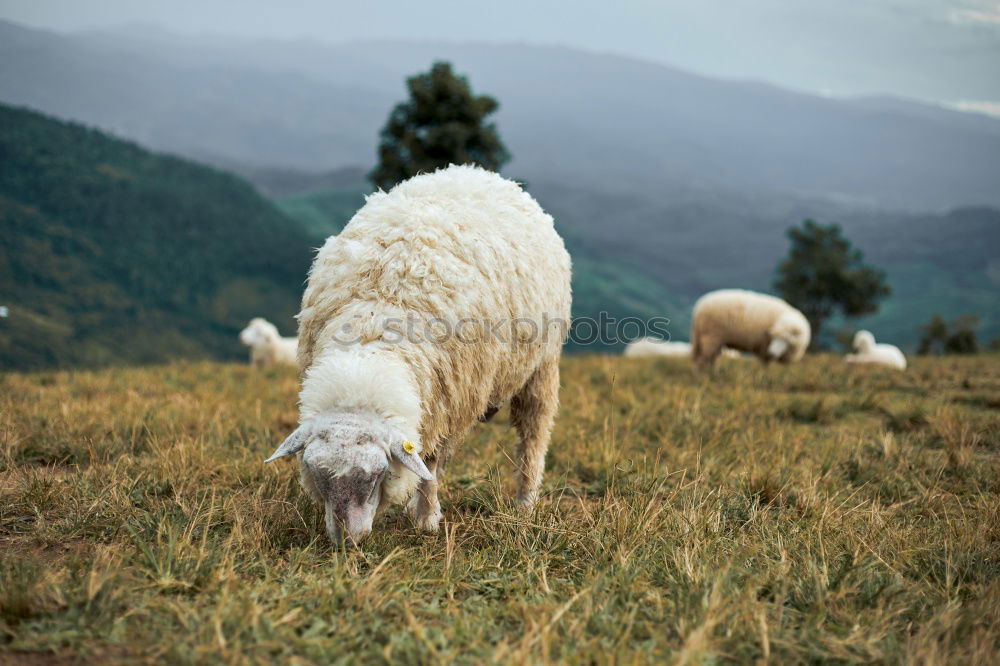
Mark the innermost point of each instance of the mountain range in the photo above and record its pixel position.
(664, 183)
(593, 119)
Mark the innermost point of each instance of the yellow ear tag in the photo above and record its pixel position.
(409, 446)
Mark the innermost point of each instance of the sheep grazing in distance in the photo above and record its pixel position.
(649, 347)
(869, 352)
(267, 347)
(760, 324)
(439, 301)
(653, 347)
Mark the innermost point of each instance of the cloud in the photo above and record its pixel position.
(988, 14)
(989, 108)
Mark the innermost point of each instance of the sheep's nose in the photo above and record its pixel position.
(336, 536)
(339, 536)
(347, 539)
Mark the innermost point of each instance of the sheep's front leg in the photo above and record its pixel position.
(533, 411)
(424, 508)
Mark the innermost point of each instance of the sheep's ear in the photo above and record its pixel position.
(295, 443)
(409, 456)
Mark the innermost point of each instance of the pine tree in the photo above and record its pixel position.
(442, 123)
(823, 273)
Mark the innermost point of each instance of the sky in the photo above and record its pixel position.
(934, 50)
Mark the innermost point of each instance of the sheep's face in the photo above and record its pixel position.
(347, 475)
(346, 458)
(250, 336)
(864, 341)
(258, 332)
(789, 338)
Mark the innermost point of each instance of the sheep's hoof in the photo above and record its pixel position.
(428, 523)
(526, 503)
(423, 516)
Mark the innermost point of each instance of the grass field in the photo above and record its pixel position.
(819, 513)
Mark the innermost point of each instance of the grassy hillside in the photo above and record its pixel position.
(324, 212)
(115, 254)
(820, 513)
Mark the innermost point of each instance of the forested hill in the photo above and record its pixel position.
(111, 253)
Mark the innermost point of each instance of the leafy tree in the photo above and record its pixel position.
(823, 273)
(960, 338)
(935, 333)
(442, 123)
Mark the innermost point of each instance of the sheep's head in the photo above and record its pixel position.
(346, 458)
(864, 341)
(259, 331)
(789, 337)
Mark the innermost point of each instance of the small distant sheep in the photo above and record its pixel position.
(653, 347)
(760, 324)
(869, 352)
(383, 406)
(647, 347)
(267, 347)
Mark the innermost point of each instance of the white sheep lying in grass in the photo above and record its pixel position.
(869, 352)
(267, 347)
(388, 391)
(654, 347)
(760, 324)
(650, 347)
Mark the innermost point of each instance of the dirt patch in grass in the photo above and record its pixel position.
(27, 546)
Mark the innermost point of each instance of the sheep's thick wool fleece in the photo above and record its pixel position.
(436, 301)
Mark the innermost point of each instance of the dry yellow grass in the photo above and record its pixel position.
(814, 513)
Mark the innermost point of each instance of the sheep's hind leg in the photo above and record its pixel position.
(424, 508)
(532, 412)
(707, 349)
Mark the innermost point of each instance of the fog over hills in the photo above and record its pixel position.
(223, 112)
(570, 116)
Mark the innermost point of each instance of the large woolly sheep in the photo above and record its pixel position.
(869, 352)
(438, 302)
(760, 324)
(267, 347)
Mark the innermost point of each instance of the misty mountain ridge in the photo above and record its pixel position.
(598, 120)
